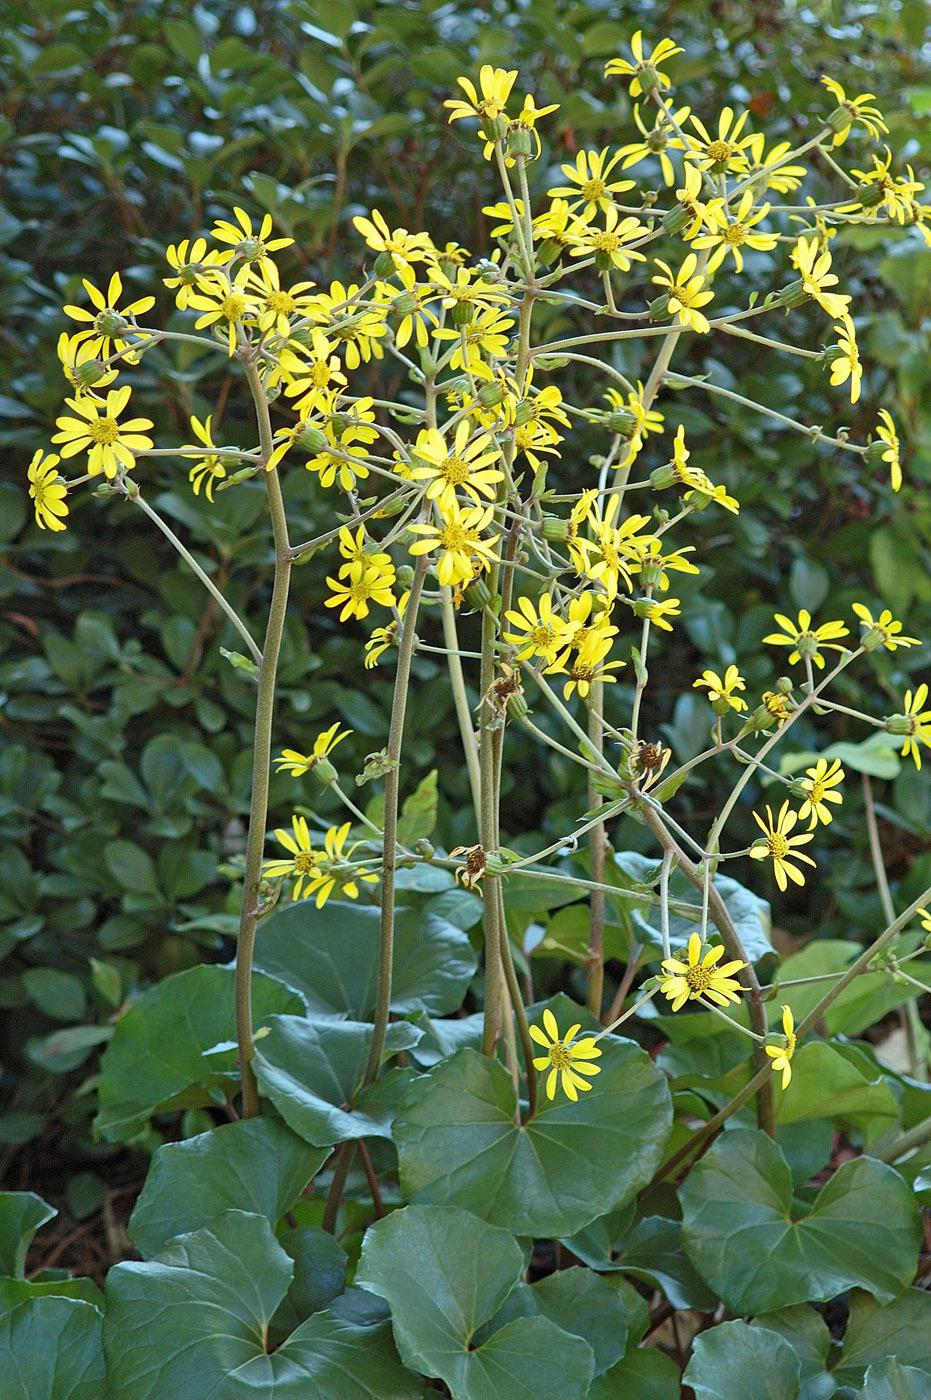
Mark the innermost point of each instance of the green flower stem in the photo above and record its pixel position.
(744, 1030)
(597, 854)
(688, 911)
(261, 751)
(664, 902)
(406, 643)
(683, 381)
(133, 494)
(706, 1132)
(560, 708)
(460, 697)
(631, 1011)
(914, 1030)
(916, 1136)
(700, 877)
(299, 550)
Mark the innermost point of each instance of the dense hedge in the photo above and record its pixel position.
(124, 764)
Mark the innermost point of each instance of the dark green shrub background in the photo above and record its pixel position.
(123, 733)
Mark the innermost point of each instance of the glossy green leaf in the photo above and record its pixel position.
(901, 1328)
(156, 1059)
(50, 1349)
(825, 1084)
(256, 1165)
(643, 1374)
(806, 1332)
(458, 1272)
(218, 1289)
(889, 1380)
(458, 1142)
(735, 1358)
(310, 1069)
(605, 1312)
(21, 1214)
(330, 956)
(751, 1246)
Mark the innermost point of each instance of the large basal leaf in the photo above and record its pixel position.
(444, 1273)
(826, 1084)
(256, 1165)
(806, 1332)
(458, 1142)
(156, 1062)
(653, 1251)
(901, 1328)
(643, 1374)
(50, 1349)
(21, 1214)
(890, 1380)
(606, 1313)
(330, 956)
(193, 1323)
(742, 1235)
(310, 1069)
(735, 1359)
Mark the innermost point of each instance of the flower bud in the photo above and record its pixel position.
(111, 323)
(490, 395)
(675, 219)
(869, 195)
(88, 373)
(519, 142)
(792, 295)
(875, 452)
(784, 685)
(661, 477)
(312, 440)
(463, 312)
(404, 576)
(324, 771)
(659, 307)
(477, 595)
(900, 724)
(517, 705)
(554, 529)
(839, 119)
(384, 265)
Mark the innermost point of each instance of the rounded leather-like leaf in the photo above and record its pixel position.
(50, 1349)
(458, 1143)
(257, 1165)
(751, 1247)
(330, 956)
(735, 1359)
(193, 1323)
(444, 1273)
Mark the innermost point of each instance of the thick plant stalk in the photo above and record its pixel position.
(597, 840)
(406, 642)
(261, 755)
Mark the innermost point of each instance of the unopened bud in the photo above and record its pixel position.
(792, 295)
(490, 395)
(404, 576)
(659, 308)
(900, 724)
(477, 595)
(384, 265)
(312, 440)
(517, 705)
(661, 477)
(89, 373)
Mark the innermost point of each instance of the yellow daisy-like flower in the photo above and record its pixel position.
(913, 725)
(644, 70)
(398, 244)
(731, 231)
(567, 1059)
(208, 470)
(590, 185)
(542, 633)
(700, 976)
(297, 764)
(853, 109)
(657, 140)
(244, 242)
(883, 631)
(727, 151)
(109, 444)
(359, 585)
(685, 294)
(189, 261)
(814, 266)
(722, 690)
(658, 611)
(776, 705)
(48, 492)
(311, 373)
(276, 306)
(609, 246)
(886, 433)
(460, 543)
(588, 665)
(806, 640)
(301, 863)
(227, 305)
(333, 869)
(108, 322)
(80, 365)
(818, 785)
(491, 98)
(846, 364)
(464, 467)
(780, 846)
(781, 1055)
